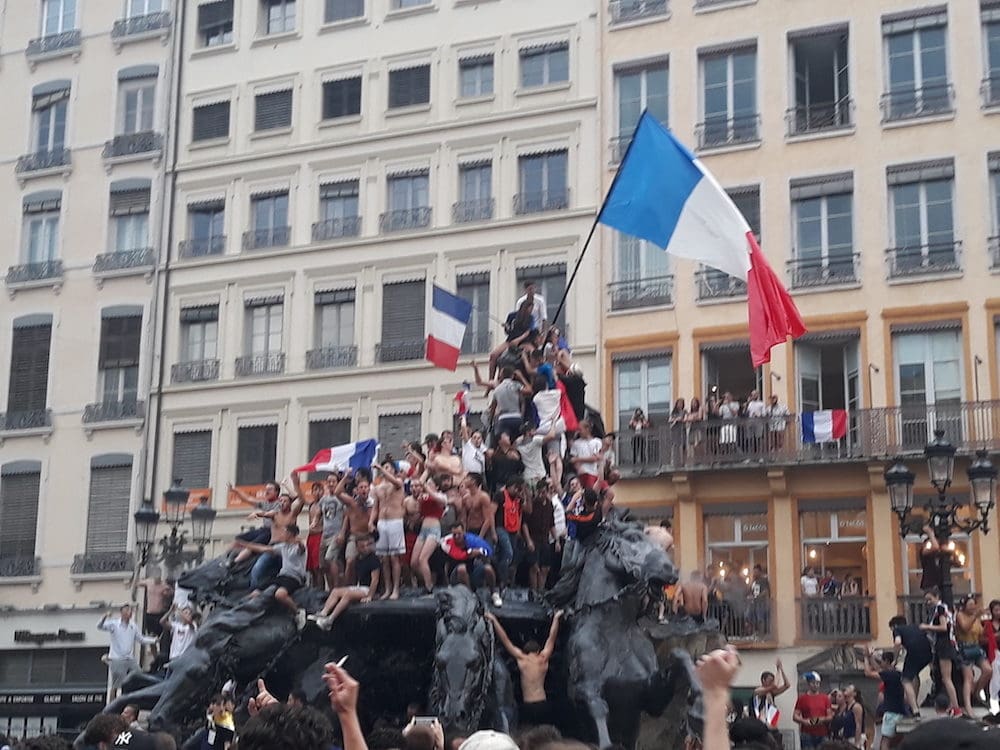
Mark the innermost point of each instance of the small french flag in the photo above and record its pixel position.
(824, 426)
(360, 455)
(449, 317)
(462, 399)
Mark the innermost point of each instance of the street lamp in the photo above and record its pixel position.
(202, 519)
(146, 521)
(172, 552)
(175, 501)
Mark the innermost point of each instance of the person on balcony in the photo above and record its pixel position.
(638, 424)
(678, 438)
(756, 412)
(778, 415)
(729, 412)
(695, 423)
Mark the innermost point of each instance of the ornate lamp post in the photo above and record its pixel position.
(172, 552)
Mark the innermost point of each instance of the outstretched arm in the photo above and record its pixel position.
(253, 547)
(504, 638)
(391, 479)
(550, 643)
(244, 497)
(785, 684)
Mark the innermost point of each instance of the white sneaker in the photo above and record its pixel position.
(300, 619)
(497, 601)
(324, 622)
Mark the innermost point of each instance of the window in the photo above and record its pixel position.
(409, 87)
(206, 226)
(544, 64)
(328, 433)
(928, 384)
(338, 211)
(256, 454)
(58, 16)
(129, 208)
(278, 16)
(994, 167)
(118, 358)
(273, 111)
(137, 99)
(642, 274)
(335, 319)
(822, 209)
(475, 288)
(199, 333)
(834, 534)
(393, 429)
(20, 482)
(729, 98)
(192, 459)
(640, 88)
(41, 227)
(49, 116)
(726, 367)
(343, 10)
(401, 4)
(269, 214)
(409, 201)
(109, 503)
(822, 82)
(542, 182)
(736, 539)
(475, 187)
(828, 374)
(991, 33)
(922, 217)
(28, 386)
(264, 319)
(916, 58)
(716, 284)
(138, 8)
(550, 280)
(342, 98)
(210, 121)
(215, 23)
(475, 76)
(643, 381)
(402, 322)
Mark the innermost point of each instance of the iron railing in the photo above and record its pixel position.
(623, 11)
(39, 160)
(480, 209)
(913, 608)
(91, 563)
(920, 260)
(993, 245)
(990, 89)
(29, 272)
(329, 357)
(136, 25)
(198, 247)
(807, 273)
(133, 144)
(257, 239)
(114, 411)
(123, 260)
(251, 365)
(816, 118)
(847, 618)
(196, 371)
(53, 44)
(334, 229)
(717, 132)
(546, 200)
(20, 566)
(743, 620)
(400, 352)
(713, 284)
(636, 293)
(25, 419)
(405, 219)
(479, 343)
(909, 103)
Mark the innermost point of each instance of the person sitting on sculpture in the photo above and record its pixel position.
(533, 664)
(368, 569)
(261, 535)
(292, 574)
(585, 514)
(469, 561)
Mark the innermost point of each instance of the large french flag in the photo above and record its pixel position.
(449, 317)
(665, 195)
(360, 455)
(824, 426)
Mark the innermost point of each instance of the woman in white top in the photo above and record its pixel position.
(809, 582)
(729, 410)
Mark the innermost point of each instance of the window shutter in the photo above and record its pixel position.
(210, 121)
(341, 10)
(816, 187)
(29, 368)
(393, 429)
(342, 98)
(993, 161)
(747, 200)
(906, 174)
(403, 312)
(410, 86)
(192, 459)
(901, 23)
(120, 342)
(44, 101)
(19, 512)
(256, 454)
(200, 314)
(327, 433)
(334, 297)
(474, 61)
(108, 509)
(273, 110)
(345, 189)
(214, 14)
(125, 202)
(42, 201)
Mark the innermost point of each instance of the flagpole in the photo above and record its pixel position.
(597, 219)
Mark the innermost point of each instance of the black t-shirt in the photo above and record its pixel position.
(914, 640)
(216, 737)
(892, 688)
(365, 566)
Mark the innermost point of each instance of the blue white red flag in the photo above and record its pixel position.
(449, 317)
(462, 399)
(824, 426)
(360, 455)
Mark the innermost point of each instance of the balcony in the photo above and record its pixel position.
(145, 144)
(331, 357)
(20, 566)
(336, 229)
(913, 608)
(625, 11)
(871, 434)
(258, 365)
(405, 220)
(197, 371)
(202, 247)
(536, 203)
(43, 161)
(128, 410)
(465, 212)
(125, 262)
(743, 621)
(258, 239)
(924, 260)
(139, 27)
(638, 293)
(54, 45)
(993, 245)
(96, 563)
(720, 132)
(400, 352)
(812, 273)
(990, 90)
(716, 285)
(847, 618)
(808, 119)
(480, 343)
(913, 103)
(45, 273)
(26, 420)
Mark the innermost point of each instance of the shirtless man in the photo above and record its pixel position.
(454, 510)
(314, 541)
(533, 664)
(691, 598)
(479, 511)
(286, 514)
(356, 517)
(387, 515)
(262, 535)
(444, 460)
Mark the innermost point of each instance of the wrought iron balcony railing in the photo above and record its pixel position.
(807, 273)
(27, 273)
(911, 103)
(255, 365)
(990, 89)
(257, 239)
(133, 144)
(40, 160)
(199, 247)
(400, 352)
(819, 117)
(20, 566)
(196, 371)
(114, 411)
(329, 357)
(91, 563)
(480, 209)
(913, 607)
(54, 44)
(25, 419)
(335, 229)
(139, 25)
(546, 200)
(125, 260)
(479, 343)
(623, 11)
(743, 620)
(718, 132)
(636, 293)
(405, 219)
(828, 618)
(993, 244)
(713, 284)
(920, 260)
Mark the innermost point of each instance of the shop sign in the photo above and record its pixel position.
(60, 636)
(62, 699)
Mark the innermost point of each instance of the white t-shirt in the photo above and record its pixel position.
(810, 585)
(547, 405)
(538, 309)
(181, 638)
(756, 409)
(585, 449)
(558, 519)
(531, 456)
(473, 458)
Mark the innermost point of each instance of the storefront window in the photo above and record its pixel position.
(835, 545)
(735, 543)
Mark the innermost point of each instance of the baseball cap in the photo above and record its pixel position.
(811, 677)
(487, 739)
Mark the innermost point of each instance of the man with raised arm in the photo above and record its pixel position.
(387, 516)
(124, 634)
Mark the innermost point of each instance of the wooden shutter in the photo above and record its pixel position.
(341, 10)
(29, 368)
(256, 454)
(342, 98)
(410, 86)
(192, 461)
(210, 121)
(19, 512)
(120, 342)
(273, 110)
(109, 505)
(393, 429)
(403, 312)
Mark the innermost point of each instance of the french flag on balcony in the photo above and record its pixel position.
(824, 426)
(360, 455)
(449, 317)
